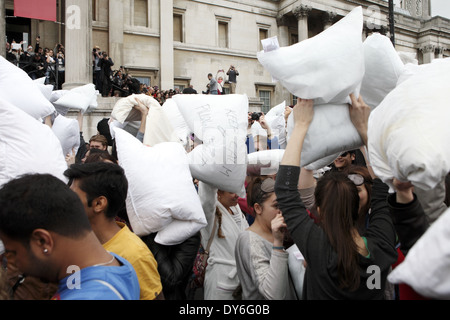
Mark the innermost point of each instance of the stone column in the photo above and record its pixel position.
(78, 43)
(428, 52)
(166, 44)
(116, 32)
(2, 29)
(301, 12)
(328, 19)
(283, 30)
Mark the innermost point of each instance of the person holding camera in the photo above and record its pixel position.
(232, 74)
(105, 64)
(96, 56)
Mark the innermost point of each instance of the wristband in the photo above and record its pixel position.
(278, 248)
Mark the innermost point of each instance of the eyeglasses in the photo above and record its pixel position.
(357, 179)
(344, 154)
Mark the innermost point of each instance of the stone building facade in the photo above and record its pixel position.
(175, 43)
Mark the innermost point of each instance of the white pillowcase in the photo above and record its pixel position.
(160, 189)
(220, 122)
(330, 132)
(383, 68)
(409, 131)
(80, 98)
(327, 67)
(265, 162)
(426, 267)
(123, 109)
(180, 126)
(68, 132)
(17, 88)
(27, 146)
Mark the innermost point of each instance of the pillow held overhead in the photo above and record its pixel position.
(27, 146)
(14, 82)
(220, 122)
(79, 98)
(409, 131)
(383, 68)
(327, 67)
(68, 132)
(160, 188)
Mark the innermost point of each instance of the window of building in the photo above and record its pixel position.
(178, 27)
(223, 34)
(141, 13)
(264, 96)
(263, 34)
(144, 80)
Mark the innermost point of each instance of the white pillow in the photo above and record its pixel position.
(383, 68)
(265, 162)
(123, 109)
(327, 67)
(409, 131)
(330, 132)
(426, 267)
(68, 132)
(160, 186)
(46, 89)
(220, 122)
(178, 231)
(180, 126)
(275, 118)
(17, 88)
(79, 98)
(27, 146)
(157, 126)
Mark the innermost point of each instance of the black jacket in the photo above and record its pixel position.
(175, 264)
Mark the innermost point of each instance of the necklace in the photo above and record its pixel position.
(105, 263)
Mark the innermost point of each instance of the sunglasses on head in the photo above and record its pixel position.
(357, 179)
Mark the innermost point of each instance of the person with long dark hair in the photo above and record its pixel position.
(341, 263)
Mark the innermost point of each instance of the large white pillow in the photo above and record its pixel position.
(330, 132)
(158, 128)
(265, 162)
(27, 146)
(68, 132)
(123, 110)
(327, 67)
(160, 187)
(409, 131)
(220, 122)
(383, 68)
(180, 126)
(426, 267)
(275, 118)
(17, 88)
(79, 98)
(46, 89)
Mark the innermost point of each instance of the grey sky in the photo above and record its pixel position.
(440, 8)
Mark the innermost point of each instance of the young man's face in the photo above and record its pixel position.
(344, 160)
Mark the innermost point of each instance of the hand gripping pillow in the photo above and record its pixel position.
(79, 98)
(220, 122)
(427, 265)
(27, 146)
(68, 132)
(263, 163)
(327, 67)
(330, 132)
(17, 88)
(123, 110)
(409, 131)
(160, 188)
(383, 68)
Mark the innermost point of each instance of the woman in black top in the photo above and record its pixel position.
(341, 263)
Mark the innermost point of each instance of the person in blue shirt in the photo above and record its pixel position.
(47, 234)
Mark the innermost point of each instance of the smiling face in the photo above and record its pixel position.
(344, 160)
(228, 199)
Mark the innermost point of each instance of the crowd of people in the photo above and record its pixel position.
(337, 225)
(39, 62)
